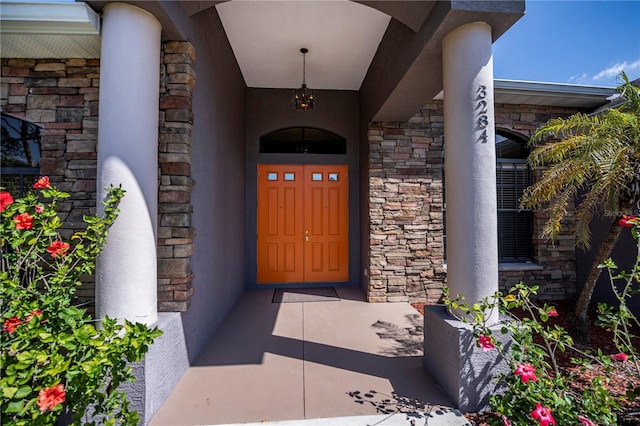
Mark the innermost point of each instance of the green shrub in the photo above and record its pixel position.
(55, 359)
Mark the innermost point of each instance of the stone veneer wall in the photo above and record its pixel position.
(406, 208)
(62, 96)
(406, 167)
(175, 233)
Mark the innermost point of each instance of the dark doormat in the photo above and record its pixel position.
(298, 295)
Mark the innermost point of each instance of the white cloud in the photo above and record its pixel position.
(614, 71)
(579, 79)
(607, 76)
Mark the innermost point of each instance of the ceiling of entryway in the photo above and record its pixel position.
(266, 37)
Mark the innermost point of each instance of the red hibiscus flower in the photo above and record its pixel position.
(585, 421)
(619, 357)
(552, 312)
(5, 200)
(628, 221)
(39, 209)
(526, 372)
(42, 183)
(58, 248)
(543, 415)
(34, 313)
(10, 324)
(23, 221)
(485, 343)
(48, 398)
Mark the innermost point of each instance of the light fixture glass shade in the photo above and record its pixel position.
(304, 99)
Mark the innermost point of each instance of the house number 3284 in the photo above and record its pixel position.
(482, 120)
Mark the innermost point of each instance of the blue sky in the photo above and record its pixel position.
(577, 42)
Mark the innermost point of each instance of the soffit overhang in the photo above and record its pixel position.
(518, 92)
(49, 30)
(551, 94)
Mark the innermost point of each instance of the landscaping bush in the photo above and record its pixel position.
(56, 359)
(538, 390)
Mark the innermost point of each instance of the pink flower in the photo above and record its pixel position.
(42, 183)
(506, 421)
(10, 324)
(34, 313)
(628, 221)
(526, 372)
(58, 248)
(5, 200)
(585, 421)
(39, 209)
(485, 343)
(48, 398)
(23, 221)
(552, 312)
(543, 415)
(619, 357)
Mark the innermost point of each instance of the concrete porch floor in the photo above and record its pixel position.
(313, 360)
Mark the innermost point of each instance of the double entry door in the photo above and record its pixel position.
(303, 218)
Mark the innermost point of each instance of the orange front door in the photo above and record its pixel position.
(302, 224)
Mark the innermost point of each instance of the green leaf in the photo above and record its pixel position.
(9, 392)
(14, 407)
(22, 392)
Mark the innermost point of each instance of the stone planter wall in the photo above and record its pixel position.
(406, 167)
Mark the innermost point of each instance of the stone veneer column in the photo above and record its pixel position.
(126, 274)
(455, 361)
(470, 171)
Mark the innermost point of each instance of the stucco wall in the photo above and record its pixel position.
(624, 255)
(217, 166)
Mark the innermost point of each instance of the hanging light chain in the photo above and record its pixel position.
(304, 98)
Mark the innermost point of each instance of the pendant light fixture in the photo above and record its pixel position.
(304, 99)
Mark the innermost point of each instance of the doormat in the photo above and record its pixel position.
(299, 295)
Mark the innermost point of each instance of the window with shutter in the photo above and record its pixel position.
(513, 176)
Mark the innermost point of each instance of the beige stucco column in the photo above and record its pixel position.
(126, 274)
(470, 171)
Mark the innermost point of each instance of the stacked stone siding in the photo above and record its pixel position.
(406, 167)
(175, 234)
(62, 96)
(406, 208)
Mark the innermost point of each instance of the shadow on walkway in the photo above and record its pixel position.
(291, 361)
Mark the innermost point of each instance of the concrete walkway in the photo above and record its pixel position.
(329, 362)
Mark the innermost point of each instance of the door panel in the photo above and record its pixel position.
(326, 191)
(280, 210)
(302, 224)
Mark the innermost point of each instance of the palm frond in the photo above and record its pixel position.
(596, 154)
(557, 211)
